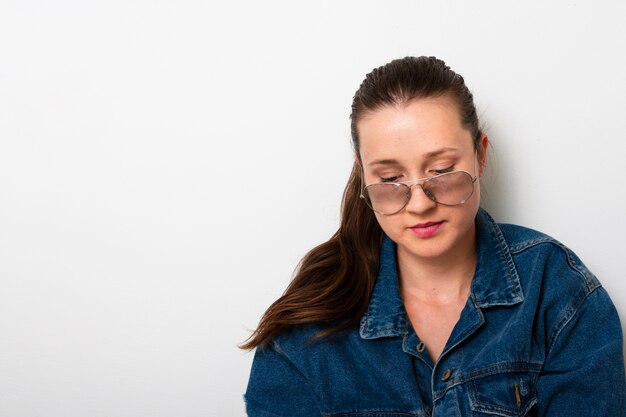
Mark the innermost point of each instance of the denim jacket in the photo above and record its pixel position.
(538, 336)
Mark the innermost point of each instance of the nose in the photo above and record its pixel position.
(419, 202)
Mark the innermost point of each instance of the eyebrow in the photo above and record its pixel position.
(427, 155)
(384, 162)
(438, 152)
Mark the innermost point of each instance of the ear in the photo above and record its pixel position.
(483, 144)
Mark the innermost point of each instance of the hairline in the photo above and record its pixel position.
(401, 101)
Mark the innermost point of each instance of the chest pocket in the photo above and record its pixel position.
(509, 394)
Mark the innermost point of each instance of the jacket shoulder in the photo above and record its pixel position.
(527, 243)
(301, 340)
(555, 280)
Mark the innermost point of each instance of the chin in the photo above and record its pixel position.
(434, 247)
(432, 252)
(441, 246)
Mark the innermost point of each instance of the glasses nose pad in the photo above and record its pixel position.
(425, 190)
(428, 192)
(407, 194)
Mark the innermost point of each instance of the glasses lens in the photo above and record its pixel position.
(386, 198)
(450, 189)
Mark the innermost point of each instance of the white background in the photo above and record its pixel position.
(165, 164)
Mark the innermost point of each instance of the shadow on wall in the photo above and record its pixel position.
(498, 197)
(495, 196)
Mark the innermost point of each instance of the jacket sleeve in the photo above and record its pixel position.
(583, 373)
(277, 388)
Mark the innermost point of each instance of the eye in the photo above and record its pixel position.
(443, 171)
(390, 179)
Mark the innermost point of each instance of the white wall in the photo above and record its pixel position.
(165, 164)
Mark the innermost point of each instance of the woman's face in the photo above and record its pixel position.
(413, 141)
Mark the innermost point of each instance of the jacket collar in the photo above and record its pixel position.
(496, 281)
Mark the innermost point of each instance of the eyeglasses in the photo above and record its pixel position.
(450, 189)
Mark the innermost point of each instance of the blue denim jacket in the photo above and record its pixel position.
(538, 336)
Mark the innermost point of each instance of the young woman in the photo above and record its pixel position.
(420, 304)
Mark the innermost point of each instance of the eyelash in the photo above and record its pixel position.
(444, 171)
(435, 171)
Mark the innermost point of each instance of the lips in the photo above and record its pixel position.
(426, 229)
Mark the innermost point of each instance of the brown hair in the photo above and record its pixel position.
(334, 281)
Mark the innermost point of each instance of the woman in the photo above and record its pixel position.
(420, 304)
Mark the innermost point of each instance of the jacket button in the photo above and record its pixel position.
(446, 375)
(420, 347)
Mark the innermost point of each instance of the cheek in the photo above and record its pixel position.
(388, 223)
(381, 220)
(476, 194)
(392, 225)
(470, 208)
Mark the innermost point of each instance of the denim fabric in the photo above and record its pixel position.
(538, 336)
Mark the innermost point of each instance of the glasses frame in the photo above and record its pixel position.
(420, 182)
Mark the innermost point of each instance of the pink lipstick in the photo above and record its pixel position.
(427, 229)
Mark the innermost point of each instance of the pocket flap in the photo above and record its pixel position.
(508, 394)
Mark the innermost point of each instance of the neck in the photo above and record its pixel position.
(442, 280)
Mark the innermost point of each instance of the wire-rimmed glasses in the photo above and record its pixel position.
(450, 189)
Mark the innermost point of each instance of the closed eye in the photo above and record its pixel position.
(443, 171)
(390, 179)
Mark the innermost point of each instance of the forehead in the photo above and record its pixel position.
(412, 130)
